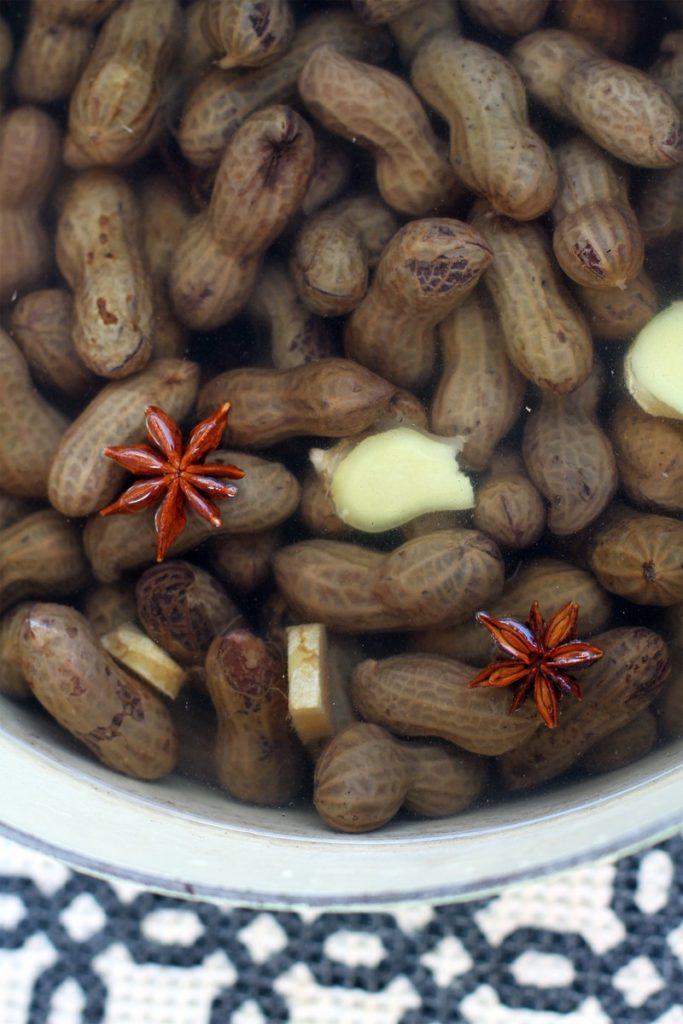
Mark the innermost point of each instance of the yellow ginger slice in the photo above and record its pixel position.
(389, 478)
(134, 650)
(318, 671)
(653, 365)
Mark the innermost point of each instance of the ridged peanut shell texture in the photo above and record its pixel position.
(116, 716)
(268, 495)
(597, 239)
(247, 33)
(258, 755)
(620, 686)
(364, 776)
(621, 108)
(223, 100)
(81, 480)
(116, 110)
(294, 336)
(427, 695)
(99, 252)
(428, 268)
(41, 555)
(546, 336)
(260, 184)
(479, 395)
(329, 398)
(494, 151)
(380, 111)
(29, 159)
(649, 453)
(435, 580)
(41, 323)
(617, 314)
(30, 429)
(640, 557)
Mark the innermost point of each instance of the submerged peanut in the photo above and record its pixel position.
(639, 556)
(247, 33)
(649, 454)
(41, 323)
(509, 508)
(243, 562)
(117, 717)
(40, 555)
(12, 682)
(364, 776)
(295, 336)
(617, 314)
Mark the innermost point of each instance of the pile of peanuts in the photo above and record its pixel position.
(341, 218)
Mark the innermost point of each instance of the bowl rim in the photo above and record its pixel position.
(83, 809)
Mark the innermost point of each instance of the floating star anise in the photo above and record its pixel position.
(177, 477)
(540, 655)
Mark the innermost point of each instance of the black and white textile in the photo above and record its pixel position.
(599, 945)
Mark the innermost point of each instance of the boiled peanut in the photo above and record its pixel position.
(327, 398)
(195, 722)
(317, 509)
(639, 557)
(275, 618)
(12, 682)
(81, 480)
(427, 695)
(40, 554)
(546, 337)
(550, 582)
(267, 496)
(493, 149)
(610, 26)
(182, 608)
(671, 702)
(116, 111)
(117, 717)
(99, 252)
(380, 111)
(260, 184)
(108, 605)
(432, 522)
(330, 175)
(294, 335)
(6, 52)
(622, 747)
(12, 508)
(377, 11)
(41, 324)
(247, 33)
(616, 689)
(570, 460)
(622, 109)
(513, 19)
(509, 509)
(30, 429)
(414, 27)
(480, 393)
(597, 240)
(364, 776)
(334, 251)
(436, 580)
(29, 158)
(649, 454)
(428, 268)
(223, 100)
(258, 756)
(668, 68)
(165, 217)
(244, 562)
(661, 206)
(55, 46)
(617, 314)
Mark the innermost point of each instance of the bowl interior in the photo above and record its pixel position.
(182, 837)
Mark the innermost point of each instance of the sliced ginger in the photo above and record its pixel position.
(389, 478)
(653, 365)
(134, 650)
(318, 672)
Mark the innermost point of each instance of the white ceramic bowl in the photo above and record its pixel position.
(183, 839)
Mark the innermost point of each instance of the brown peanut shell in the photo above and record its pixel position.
(41, 555)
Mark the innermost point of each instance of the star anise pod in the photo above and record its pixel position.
(176, 475)
(539, 656)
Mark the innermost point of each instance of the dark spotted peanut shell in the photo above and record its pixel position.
(427, 695)
(247, 33)
(116, 716)
(620, 686)
(258, 755)
(428, 268)
(268, 495)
